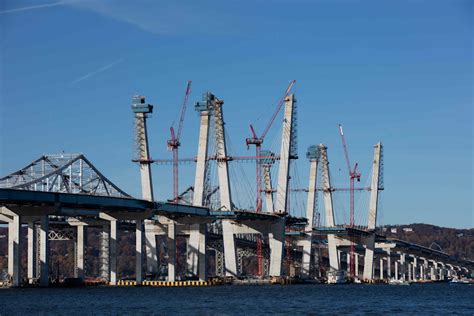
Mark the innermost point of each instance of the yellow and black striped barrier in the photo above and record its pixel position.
(126, 283)
(172, 284)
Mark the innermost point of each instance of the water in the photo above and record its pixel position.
(422, 299)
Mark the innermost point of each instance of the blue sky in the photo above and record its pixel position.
(399, 72)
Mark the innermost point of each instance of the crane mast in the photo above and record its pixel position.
(174, 142)
(353, 175)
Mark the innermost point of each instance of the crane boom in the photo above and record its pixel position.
(183, 109)
(277, 110)
(346, 152)
(174, 143)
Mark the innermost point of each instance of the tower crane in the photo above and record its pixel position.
(174, 142)
(258, 141)
(353, 175)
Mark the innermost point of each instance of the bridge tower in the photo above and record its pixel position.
(313, 155)
(287, 152)
(141, 111)
(328, 206)
(230, 250)
(197, 236)
(375, 187)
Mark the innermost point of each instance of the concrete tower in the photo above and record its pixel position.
(328, 206)
(313, 155)
(372, 218)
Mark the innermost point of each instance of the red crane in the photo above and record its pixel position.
(174, 142)
(353, 175)
(258, 141)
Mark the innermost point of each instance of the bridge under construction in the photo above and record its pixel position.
(59, 196)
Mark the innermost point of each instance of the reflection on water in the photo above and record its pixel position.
(425, 299)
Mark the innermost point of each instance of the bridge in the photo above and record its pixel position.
(57, 193)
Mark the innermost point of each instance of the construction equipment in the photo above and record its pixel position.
(174, 143)
(353, 175)
(258, 141)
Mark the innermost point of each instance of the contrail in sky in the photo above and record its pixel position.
(97, 71)
(39, 6)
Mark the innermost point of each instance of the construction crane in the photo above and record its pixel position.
(258, 141)
(174, 143)
(353, 175)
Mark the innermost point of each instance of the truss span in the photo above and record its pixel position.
(63, 173)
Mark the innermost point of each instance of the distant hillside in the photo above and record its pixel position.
(458, 243)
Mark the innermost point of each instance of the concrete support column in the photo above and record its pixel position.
(44, 251)
(442, 273)
(138, 250)
(423, 269)
(348, 262)
(410, 270)
(276, 242)
(14, 250)
(306, 258)
(171, 252)
(389, 266)
(193, 250)
(403, 267)
(31, 257)
(113, 252)
(229, 248)
(202, 252)
(80, 245)
(11, 245)
(152, 229)
(434, 271)
(357, 265)
(415, 266)
(105, 252)
(396, 270)
(381, 268)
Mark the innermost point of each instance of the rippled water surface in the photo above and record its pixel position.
(426, 299)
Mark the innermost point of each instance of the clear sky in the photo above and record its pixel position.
(400, 72)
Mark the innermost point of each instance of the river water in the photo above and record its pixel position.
(420, 299)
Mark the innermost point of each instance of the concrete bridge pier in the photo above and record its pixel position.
(138, 250)
(276, 239)
(80, 242)
(276, 236)
(403, 267)
(396, 275)
(434, 271)
(414, 268)
(449, 270)
(356, 263)
(410, 271)
(423, 268)
(381, 268)
(389, 265)
(442, 271)
(104, 254)
(44, 250)
(31, 251)
(14, 249)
